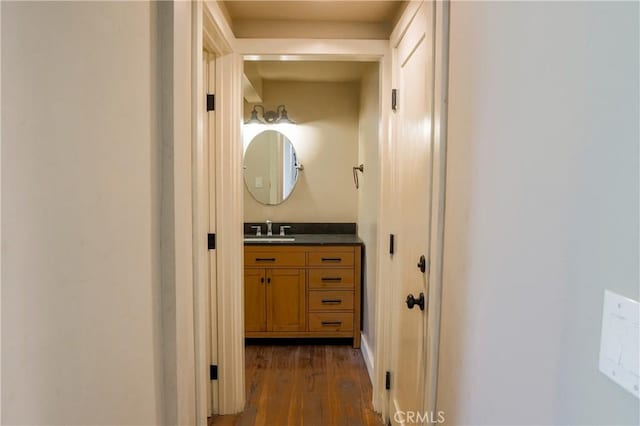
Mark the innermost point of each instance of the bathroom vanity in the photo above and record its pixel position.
(300, 279)
(303, 285)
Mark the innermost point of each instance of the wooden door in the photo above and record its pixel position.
(255, 300)
(286, 300)
(413, 76)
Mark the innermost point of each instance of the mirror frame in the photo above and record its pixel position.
(298, 166)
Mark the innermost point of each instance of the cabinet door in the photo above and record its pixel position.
(286, 300)
(255, 312)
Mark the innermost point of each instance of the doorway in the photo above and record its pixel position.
(333, 117)
(380, 52)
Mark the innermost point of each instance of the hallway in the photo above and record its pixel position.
(467, 206)
(305, 385)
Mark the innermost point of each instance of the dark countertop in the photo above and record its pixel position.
(296, 228)
(312, 240)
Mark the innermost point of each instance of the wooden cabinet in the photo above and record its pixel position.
(302, 291)
(286, 300)
(255, 300)
(262, 257)
(274, 300)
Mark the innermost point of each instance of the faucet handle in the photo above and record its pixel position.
(258, 229)
(283, 228)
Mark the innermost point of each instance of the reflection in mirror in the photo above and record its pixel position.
(271, 167)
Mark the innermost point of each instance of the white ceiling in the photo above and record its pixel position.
(361, 19)
(322, 10)
(330, 71)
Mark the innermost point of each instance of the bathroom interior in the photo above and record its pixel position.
(311, 191)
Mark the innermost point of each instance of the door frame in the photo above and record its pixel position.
(214, 325)
(200, 213)
(231, 52)
(210, 43)
(184, 29)
(340, 50)
(438, 204)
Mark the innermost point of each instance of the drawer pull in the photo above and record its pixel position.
(265, 259)
(331, 301)
(331, 259)
(336, 279)
(331, 323)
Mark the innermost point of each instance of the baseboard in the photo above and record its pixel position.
(367, 354)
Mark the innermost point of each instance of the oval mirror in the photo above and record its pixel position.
(271, 167)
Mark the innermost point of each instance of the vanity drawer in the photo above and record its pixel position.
(330, 321)
(331, 301)
(273, 258)
(330, 278)
(331, 259)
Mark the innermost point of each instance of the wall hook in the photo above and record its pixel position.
(355, 174)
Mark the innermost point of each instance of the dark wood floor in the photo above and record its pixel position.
(305, 385)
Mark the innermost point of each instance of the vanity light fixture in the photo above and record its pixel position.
(269, 117)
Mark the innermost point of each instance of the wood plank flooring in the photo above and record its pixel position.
(308, 384)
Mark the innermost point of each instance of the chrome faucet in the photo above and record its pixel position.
(269, 229)
(283, 229)
(258, 230)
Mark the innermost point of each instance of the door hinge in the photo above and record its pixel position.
(392, 243)
(213, 372)
(211, 102)
(387, 380)
(394, 99)
(211, 241)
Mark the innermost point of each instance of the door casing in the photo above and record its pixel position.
(230, 307)
(331, 50)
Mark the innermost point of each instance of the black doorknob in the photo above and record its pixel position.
(422, 264)
(412, 301)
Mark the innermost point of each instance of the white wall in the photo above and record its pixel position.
(326, 140)
(542, 210)
(368, 194)
(0, 214)
(81, 167)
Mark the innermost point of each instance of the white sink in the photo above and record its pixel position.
(274, 239)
